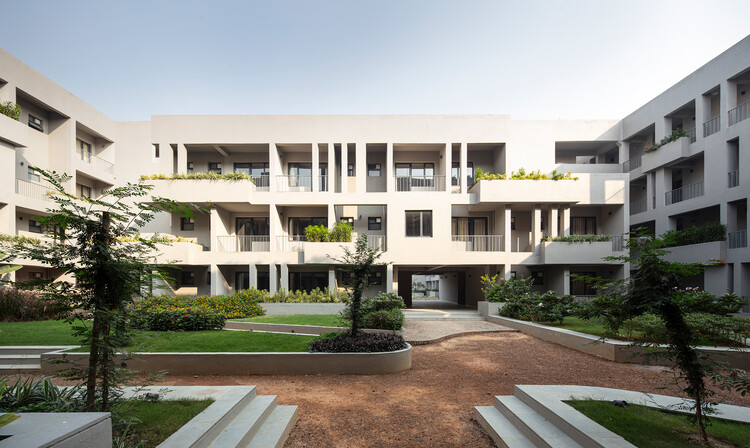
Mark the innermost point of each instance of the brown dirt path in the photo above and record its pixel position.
(431, 405)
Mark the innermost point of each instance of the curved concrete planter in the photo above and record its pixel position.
(296, 329)
(251, 363)
(302, 308)
(614, 350)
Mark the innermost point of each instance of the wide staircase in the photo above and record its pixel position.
(25, 359)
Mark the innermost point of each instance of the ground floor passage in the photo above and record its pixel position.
(431, 405)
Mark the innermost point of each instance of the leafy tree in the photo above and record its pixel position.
(360, 264)
(103, 263)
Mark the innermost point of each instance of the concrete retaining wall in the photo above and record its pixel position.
(485, 308)
(298, 329)
(613, 350)
(251, 363)
(302, 308)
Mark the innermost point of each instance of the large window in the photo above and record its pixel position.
(373, 169)
(187, 224)
(84, 191)
(84, 150)
(252, 226)
(34, 226)
(188, 278)
(469, 226)
(254, 169)
(214, 167)
(297, 225)
(419, 223)
(456, 173)
(33, 175)
(307, 281)
(583, 225)
(374, 223)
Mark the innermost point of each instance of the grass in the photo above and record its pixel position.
(46, 332)
(647, 427)
(321, 320)
(158, 420)
(583, 326)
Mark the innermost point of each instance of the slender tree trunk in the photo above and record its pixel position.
(105, 364)
(101, 244)
(93, 364)
(356, 302)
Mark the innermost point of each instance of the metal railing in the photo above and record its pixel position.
(261, 182)
(684, 193)
(294, 182)
(376, 242)
(477, 243)
(639, 206)
(739, 113)
(631, 164)
(290, 243)
(712, 126)
(323, 183)
(95, 160)
(737, 239)
(733, 178)
(420, 183)
(83, 155)
(618, 243)
(691, 134)
(34, 190)
(244, 243)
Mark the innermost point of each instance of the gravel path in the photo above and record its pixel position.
(431, 405)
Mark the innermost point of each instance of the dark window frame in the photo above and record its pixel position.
(423, 223)
(36, 123)
(187, 224)
(374, 168)
(187, 278)
(214, 167)
(34, 226)
(374, 223)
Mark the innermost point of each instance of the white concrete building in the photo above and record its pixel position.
(405, 181)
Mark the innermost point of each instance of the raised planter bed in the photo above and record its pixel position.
(299, 363)
(302, 308)
(297, 329)
(485, 308)
(614, 350)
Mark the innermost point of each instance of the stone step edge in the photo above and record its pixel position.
(535, 426)
(276, 428)
(500, 430)
(244, 431)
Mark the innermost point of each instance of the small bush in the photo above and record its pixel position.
(710, 329)
(364, 343)
(546, 307)
(316, 234)
(40, 395)
(694, 301)
(10, 109)
(392, 319)
(580, 238)
(695, 235)
(503, 290)
(19, 305)
(198, 176)
(243, 303)
(315, 296)
(340, 233)
(188, 319)
(384, 301)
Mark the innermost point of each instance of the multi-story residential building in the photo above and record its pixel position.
(405, 181)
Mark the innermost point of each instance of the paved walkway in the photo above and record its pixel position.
(424, 331)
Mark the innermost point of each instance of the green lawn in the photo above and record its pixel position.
(321, 320)
(647, 427)
(46, 332)
(591, 327)
(158, 420)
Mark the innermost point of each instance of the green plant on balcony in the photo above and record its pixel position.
(340, 233)
(579, 238)
(521, 174)
(675, 135)
(10, 109)
(695, 235)
(198, 176)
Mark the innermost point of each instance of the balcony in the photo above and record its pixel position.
(419, 183)
(96, 161)
(697, 253)
(244, 243)
(739, 113)
(289, 243)
(733, 179)
(590, 188)
(477, 243)
(736, 240)
(666, 154)
(202, 190)
(34, 190)
(562, 252)
(300, 183)
(631, 164)
(691, 135)
(684, 193)
(261, 182)
(324, 253)
(640, 206)
(712, 126)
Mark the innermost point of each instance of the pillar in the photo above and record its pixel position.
(565, 211)
(217, 280)
(284, 276)
(536, 227)
(331, 215)
(566, 281)
(275, 228)
(463, 170)
(507, 231)
(273, 279)
(389, 168)
(332, 279)
(274, 166)
(389, 287)
(315, 167)
(253, 276)
(330, 182)
(447, 161)
(553, 222)
(344, 168)
(360, 169)
(181, 158)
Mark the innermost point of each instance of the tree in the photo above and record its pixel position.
(103, 262)
(360, 265)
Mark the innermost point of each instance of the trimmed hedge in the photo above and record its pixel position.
(189, 319)
(315, 296)
(695, 235)
(364, 343)
(384, 319)
(710, 329)
(233, 306)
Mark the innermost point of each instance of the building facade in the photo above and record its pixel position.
(406, 181)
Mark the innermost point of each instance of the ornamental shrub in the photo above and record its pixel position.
(690, 300)
(580, 238)
(340, 233)
(695, 235)
(10, 109)
(709, 329)
(315, 296)
(243, 303)
(536, 307)
(186, 319)
(316, 234)
(20, 305)
(363, 343)
(392, 319)
(503, 290)
(385, 301)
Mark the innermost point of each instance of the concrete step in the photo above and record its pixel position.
(275, 429)
(32, 349)
(13, 369)
(19, 360)
(246, 424)
(500, 430)
(534, 426)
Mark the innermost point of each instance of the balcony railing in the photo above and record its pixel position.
(96, 161)
(290, 243)
(691, 134)
(630, 165)
(739, 113)
(737, 239)
(684, 193)
(420, 183)
(261, 182)
(244, 243)
(376, 242)
(294, 182)
(712, 126)
(322, 183)
(618, 243)
(733, 178)
(477, 243)
(34, 190)
(639, 206)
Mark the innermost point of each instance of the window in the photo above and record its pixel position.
(34, 226)
(187, 224)
(373, 169)
(350, 170)
(156, 151)
(374, 223)
(583, 225)
(469, 226)
(33, 175)
(297, 225)
(348, 220)
(36, 123)
(244, 168)
(259, 168)
(512, 223)
(188, 278)
(84, 191)
(36, 275)
(419, 223)
(84, 150)
(214, 167)
(538, 277)
(456, 173)
(190, 167)
(376, 278)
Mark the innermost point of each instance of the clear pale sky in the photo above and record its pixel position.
(530, 59)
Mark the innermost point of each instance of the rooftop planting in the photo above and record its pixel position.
(10, 109)
(675, 135)
(695, 235)
(579, 238)
(521, 174)
(198, 176)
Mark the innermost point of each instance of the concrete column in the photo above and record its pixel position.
(624, 151)
(182, 158)
(702, 114)
(275, 227)
(344, 168)
(331, 168)
(650, 191)
(389, 168)
(331, 215)
(217, 281)
(553, 222)
(315, 167)
(464, 168)
(332, 279)
(507, 231)
(725, 215)
(566, 281)
(389, 278)
(727, 101)
(507, 269)
(214, 223)
(361, 167)
(273, 278)
(447, 161)
(536, 227)
(274, 166)
(284, 276)
(253, 276)
(565, 212)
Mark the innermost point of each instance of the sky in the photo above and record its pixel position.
(530, 59)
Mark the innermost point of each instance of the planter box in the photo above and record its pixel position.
(485, 308)
(203, 190)
(251, 363)
(669, 153)
(302, 308)
(59, 430)
(697, 253)
(559, 252)
(590, 188)
(324, 253)
(297, 329)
